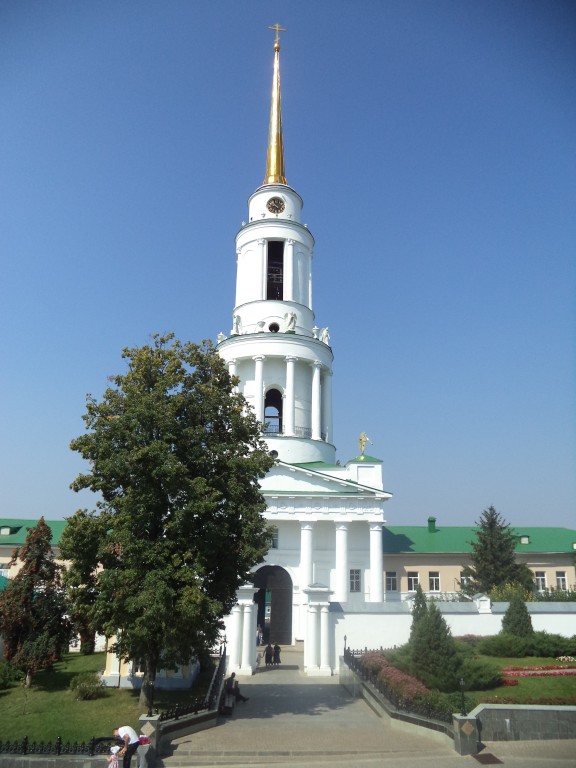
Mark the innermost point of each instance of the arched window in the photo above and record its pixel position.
(273, 412)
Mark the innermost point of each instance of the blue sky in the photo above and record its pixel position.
(434, 144)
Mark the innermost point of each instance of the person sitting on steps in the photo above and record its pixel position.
(231, 686)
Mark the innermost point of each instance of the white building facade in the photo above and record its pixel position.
(327, 518)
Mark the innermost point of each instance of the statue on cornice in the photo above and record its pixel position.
(290, 320)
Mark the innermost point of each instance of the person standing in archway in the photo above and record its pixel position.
(268, 654)
(277, 650)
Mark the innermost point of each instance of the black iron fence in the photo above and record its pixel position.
(99, 745)
(422, 708)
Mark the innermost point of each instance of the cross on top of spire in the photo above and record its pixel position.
(277, 28)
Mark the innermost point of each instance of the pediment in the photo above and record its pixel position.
(296, 480)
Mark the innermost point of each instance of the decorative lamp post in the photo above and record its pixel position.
(462, 700)
(150, 696)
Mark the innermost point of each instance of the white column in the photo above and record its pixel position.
(306, 534)
(317, 646)
(311, 644)
(327, 405)
(263, 268)
(306, 576)
(290, 401)
(233, 637)
(248, 635)
(289, 270)
(376, 564)
(342, 575)
(316, 414)
(232, 371)
(259, 387)
(325, 639)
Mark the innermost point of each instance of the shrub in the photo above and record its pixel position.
(471, 641)
(556, 596)
(400, 658)
(404, 687)
(373, 661)
(503, 645)
(87, 686)
(480, 674)
(547, 645)
(9, 674)
(504, 593)
(517, 620)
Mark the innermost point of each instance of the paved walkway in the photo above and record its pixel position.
(293, 720)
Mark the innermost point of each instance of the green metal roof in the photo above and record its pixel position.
(454, 539)
(18, 530)
(363, 458)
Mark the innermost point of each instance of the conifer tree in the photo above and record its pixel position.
(517, 620)
(419, 609)
(434, 658)
(33, 619)
(493, 557)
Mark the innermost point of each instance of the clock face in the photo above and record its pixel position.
(275, 205)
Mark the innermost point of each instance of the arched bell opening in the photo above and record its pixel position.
(273, 412)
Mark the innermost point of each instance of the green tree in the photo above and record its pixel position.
(79, 545)
(493, 557)
(33, 619)
(419, 609)
(434, 655)
(176, 455)
(516, 621)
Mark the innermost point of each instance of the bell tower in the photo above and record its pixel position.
(283, 360)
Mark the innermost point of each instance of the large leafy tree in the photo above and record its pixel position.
(33, 608)
(493, 559)
(176, 456)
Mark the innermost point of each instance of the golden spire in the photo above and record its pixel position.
(275, 157)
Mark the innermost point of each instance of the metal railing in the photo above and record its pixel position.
(98, 745)
(276, 429)
(353, 659)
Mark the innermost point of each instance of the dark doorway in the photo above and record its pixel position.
(274, 600)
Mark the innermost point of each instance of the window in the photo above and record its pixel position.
(275, 277)
(540, 580)
(274, 544)
(391, 581)
(355, 585)
(434, 581)
(561, 580)
(4, 570)
(413, 581)
(464, 580)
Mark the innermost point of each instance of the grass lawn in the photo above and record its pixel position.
(530, 689)
(48, 709)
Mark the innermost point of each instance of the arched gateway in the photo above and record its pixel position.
(274, 601)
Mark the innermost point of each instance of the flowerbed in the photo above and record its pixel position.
(550, 670)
